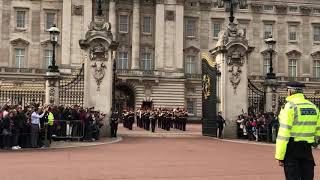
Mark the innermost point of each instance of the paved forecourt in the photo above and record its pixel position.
(145, 158)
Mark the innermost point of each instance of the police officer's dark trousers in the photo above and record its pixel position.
(298, 162)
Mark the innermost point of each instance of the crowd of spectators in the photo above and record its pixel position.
(260, 127)
(34, 126)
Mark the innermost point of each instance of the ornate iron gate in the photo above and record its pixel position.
(315, 99)
(71, 89)
(21, 97)
(256, 98)
(209, 98)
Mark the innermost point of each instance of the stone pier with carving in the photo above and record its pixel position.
(99, 49)
(231, 55)
(52, 88)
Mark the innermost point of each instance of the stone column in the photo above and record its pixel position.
(179, 36)
(113, 18)
(52, 88)
(271, 95)
(5, 33)
(87, 15)
(159, 41)
(135, 35)
(66, 34)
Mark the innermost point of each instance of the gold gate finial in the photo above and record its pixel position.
(208, 58)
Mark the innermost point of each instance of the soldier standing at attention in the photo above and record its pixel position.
(114, 123)
(153, 121)
(299, 129)
(184, 119)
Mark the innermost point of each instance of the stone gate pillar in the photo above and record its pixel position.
(231, 55)
(271, 102)
(99, 48)
(52, 88)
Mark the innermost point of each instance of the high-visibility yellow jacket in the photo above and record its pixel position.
(300, 120)
(50, 119)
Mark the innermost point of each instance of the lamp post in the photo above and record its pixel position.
(271, 45)
(114, 69)
(54, 34)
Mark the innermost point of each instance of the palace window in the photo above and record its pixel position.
(191, 106)
(292, 71)
(122, 62)
(316, 33)
(19, 57)
(123, 23)
(293, 9)
(316, 10)
(147, 23)
(21, 19)
(50, 20)
(292, 32)
(191, 27)
(266, 64)
(47, 58)
(316, 68)
(190, 65)
(216, 28)
(268, 30)
(146, 61)
(268, 8)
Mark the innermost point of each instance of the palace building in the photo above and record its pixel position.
(160, 45)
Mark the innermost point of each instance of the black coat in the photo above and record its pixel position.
(20, 120)
(7, 123)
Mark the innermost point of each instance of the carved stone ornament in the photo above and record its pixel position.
(77, 10)
(51, 92)
(98, 54)
(281, 9)
(206, 86)
(316, 55)
(305, 10)
(294, 54)
(97, 43)
(256, 7)
(235, 60)
(170, 15)
(232, 33)
(19, 41)
(99, 24)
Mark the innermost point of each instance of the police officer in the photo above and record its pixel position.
(299, 129)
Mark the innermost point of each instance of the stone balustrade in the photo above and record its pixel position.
(148, 73)
(284, 78)
(32, 71)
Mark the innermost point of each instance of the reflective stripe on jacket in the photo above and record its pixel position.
(299, 119)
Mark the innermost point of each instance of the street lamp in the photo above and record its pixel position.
(54, 34)
(271, 45)
(114, 69)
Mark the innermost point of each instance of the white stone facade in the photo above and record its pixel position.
(160, 41)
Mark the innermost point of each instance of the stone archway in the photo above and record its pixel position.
(125, 96)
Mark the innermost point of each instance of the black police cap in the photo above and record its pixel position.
(295, 84)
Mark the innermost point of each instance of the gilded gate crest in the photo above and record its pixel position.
(206, 86)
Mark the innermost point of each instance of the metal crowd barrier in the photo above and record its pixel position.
(68, 129)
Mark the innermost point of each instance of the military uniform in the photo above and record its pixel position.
(114, 124)
(299, 127)
(153, 121)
